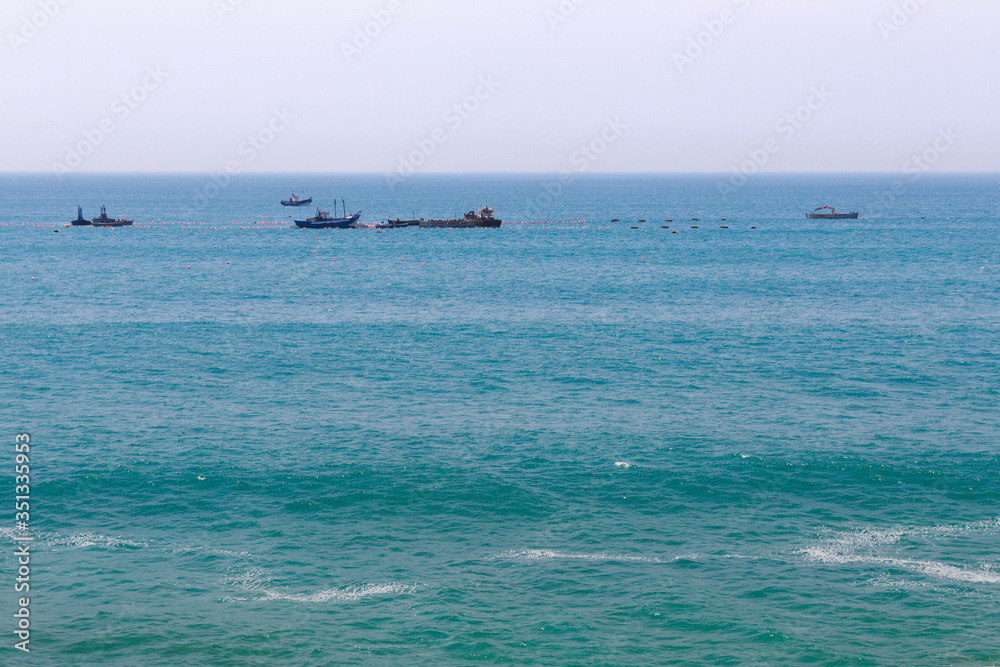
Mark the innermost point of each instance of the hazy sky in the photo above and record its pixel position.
(268, 86)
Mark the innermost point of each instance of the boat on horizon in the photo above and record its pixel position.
(472, 219)
(104, 221)
(80, 220)
(832, 215)
(296, 201)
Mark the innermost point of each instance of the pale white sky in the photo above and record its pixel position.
(226, 65)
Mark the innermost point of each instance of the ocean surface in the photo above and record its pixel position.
(569, 441)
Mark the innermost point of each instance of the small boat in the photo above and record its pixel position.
(832, 215)
(323, 220)
(296, 201)
(80, 220)
(105, 221)
(400, 224)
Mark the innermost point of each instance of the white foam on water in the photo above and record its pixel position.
(985, 575)
(255, 580)
(79, 541)
(87, 540)
(866, 546)
(549, 554)
(623, 464)
(249, 578)
(348, 594)
(214, 551)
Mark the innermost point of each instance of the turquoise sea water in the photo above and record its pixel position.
(572, 443)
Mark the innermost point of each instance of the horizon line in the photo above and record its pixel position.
(576, 174)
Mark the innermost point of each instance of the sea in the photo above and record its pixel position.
(652, 420)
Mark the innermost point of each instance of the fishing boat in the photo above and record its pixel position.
(296, 201)
(483, 219)
(80, 220)
(105, 221)
(323, 220)
(832, 215)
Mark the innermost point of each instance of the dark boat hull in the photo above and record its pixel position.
(449, 224)
(335, 223)
(81, 223)
(304, 202)
(460, 224)
(832, 216)
(97, 222)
